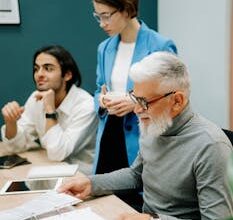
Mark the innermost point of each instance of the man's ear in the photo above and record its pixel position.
(68, 76)
(179, 102)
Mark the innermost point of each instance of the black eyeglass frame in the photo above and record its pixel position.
(105, 16)
(145, 103)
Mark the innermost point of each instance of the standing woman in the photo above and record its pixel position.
(130, 40)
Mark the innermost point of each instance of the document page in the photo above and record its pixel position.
(45, 203)
(84, 214)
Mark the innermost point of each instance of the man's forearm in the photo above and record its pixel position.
(11, 130)
(115, 182)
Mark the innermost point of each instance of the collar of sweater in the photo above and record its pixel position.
(180, 121)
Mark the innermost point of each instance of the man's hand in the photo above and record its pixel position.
(137, 216)
(48, 98)
(11, 112)
(79, 187)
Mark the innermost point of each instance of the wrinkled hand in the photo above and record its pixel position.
(11, 112)
(133, 216)
(48, 99)
(119, 108)
(79, 187)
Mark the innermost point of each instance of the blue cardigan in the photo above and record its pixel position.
(147, 41)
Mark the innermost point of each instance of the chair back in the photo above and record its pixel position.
(229, 134)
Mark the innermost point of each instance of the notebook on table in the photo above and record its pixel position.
(50, 203)
(63, 170)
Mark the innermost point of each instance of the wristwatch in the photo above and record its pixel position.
(53, 115)
(154, 216)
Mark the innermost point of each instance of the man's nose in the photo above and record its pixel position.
(40, 72)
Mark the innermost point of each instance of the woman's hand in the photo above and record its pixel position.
(120, 107)
(101, 96)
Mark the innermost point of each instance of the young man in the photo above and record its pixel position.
(182, 159)
(59, 116)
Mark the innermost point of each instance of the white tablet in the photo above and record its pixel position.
(30, 186)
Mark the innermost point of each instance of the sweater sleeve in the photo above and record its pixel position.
(212, 186)
(118, 181)
(214, 197)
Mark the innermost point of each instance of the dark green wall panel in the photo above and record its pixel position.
(66, 22)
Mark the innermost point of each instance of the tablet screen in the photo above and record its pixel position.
(30, 185)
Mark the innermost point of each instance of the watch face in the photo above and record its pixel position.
(53, 115)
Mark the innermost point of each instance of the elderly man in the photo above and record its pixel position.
(182, 160)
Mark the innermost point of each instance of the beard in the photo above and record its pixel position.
(157, 126)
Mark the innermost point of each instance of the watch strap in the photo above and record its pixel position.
(53, 115)
(154, 216)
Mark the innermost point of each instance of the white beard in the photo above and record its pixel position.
(157, 126)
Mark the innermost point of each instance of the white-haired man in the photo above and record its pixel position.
(182, 159)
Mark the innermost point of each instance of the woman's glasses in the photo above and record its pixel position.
(104, 17)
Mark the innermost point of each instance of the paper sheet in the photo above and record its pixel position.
(44, 203)
(84, 214)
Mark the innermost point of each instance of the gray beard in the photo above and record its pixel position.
(157, 127)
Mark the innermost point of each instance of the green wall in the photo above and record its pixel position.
(65, 22)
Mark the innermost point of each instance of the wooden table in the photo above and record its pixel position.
(109, 207)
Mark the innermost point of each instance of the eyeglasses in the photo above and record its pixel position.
(104, 17)
(145, 103)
